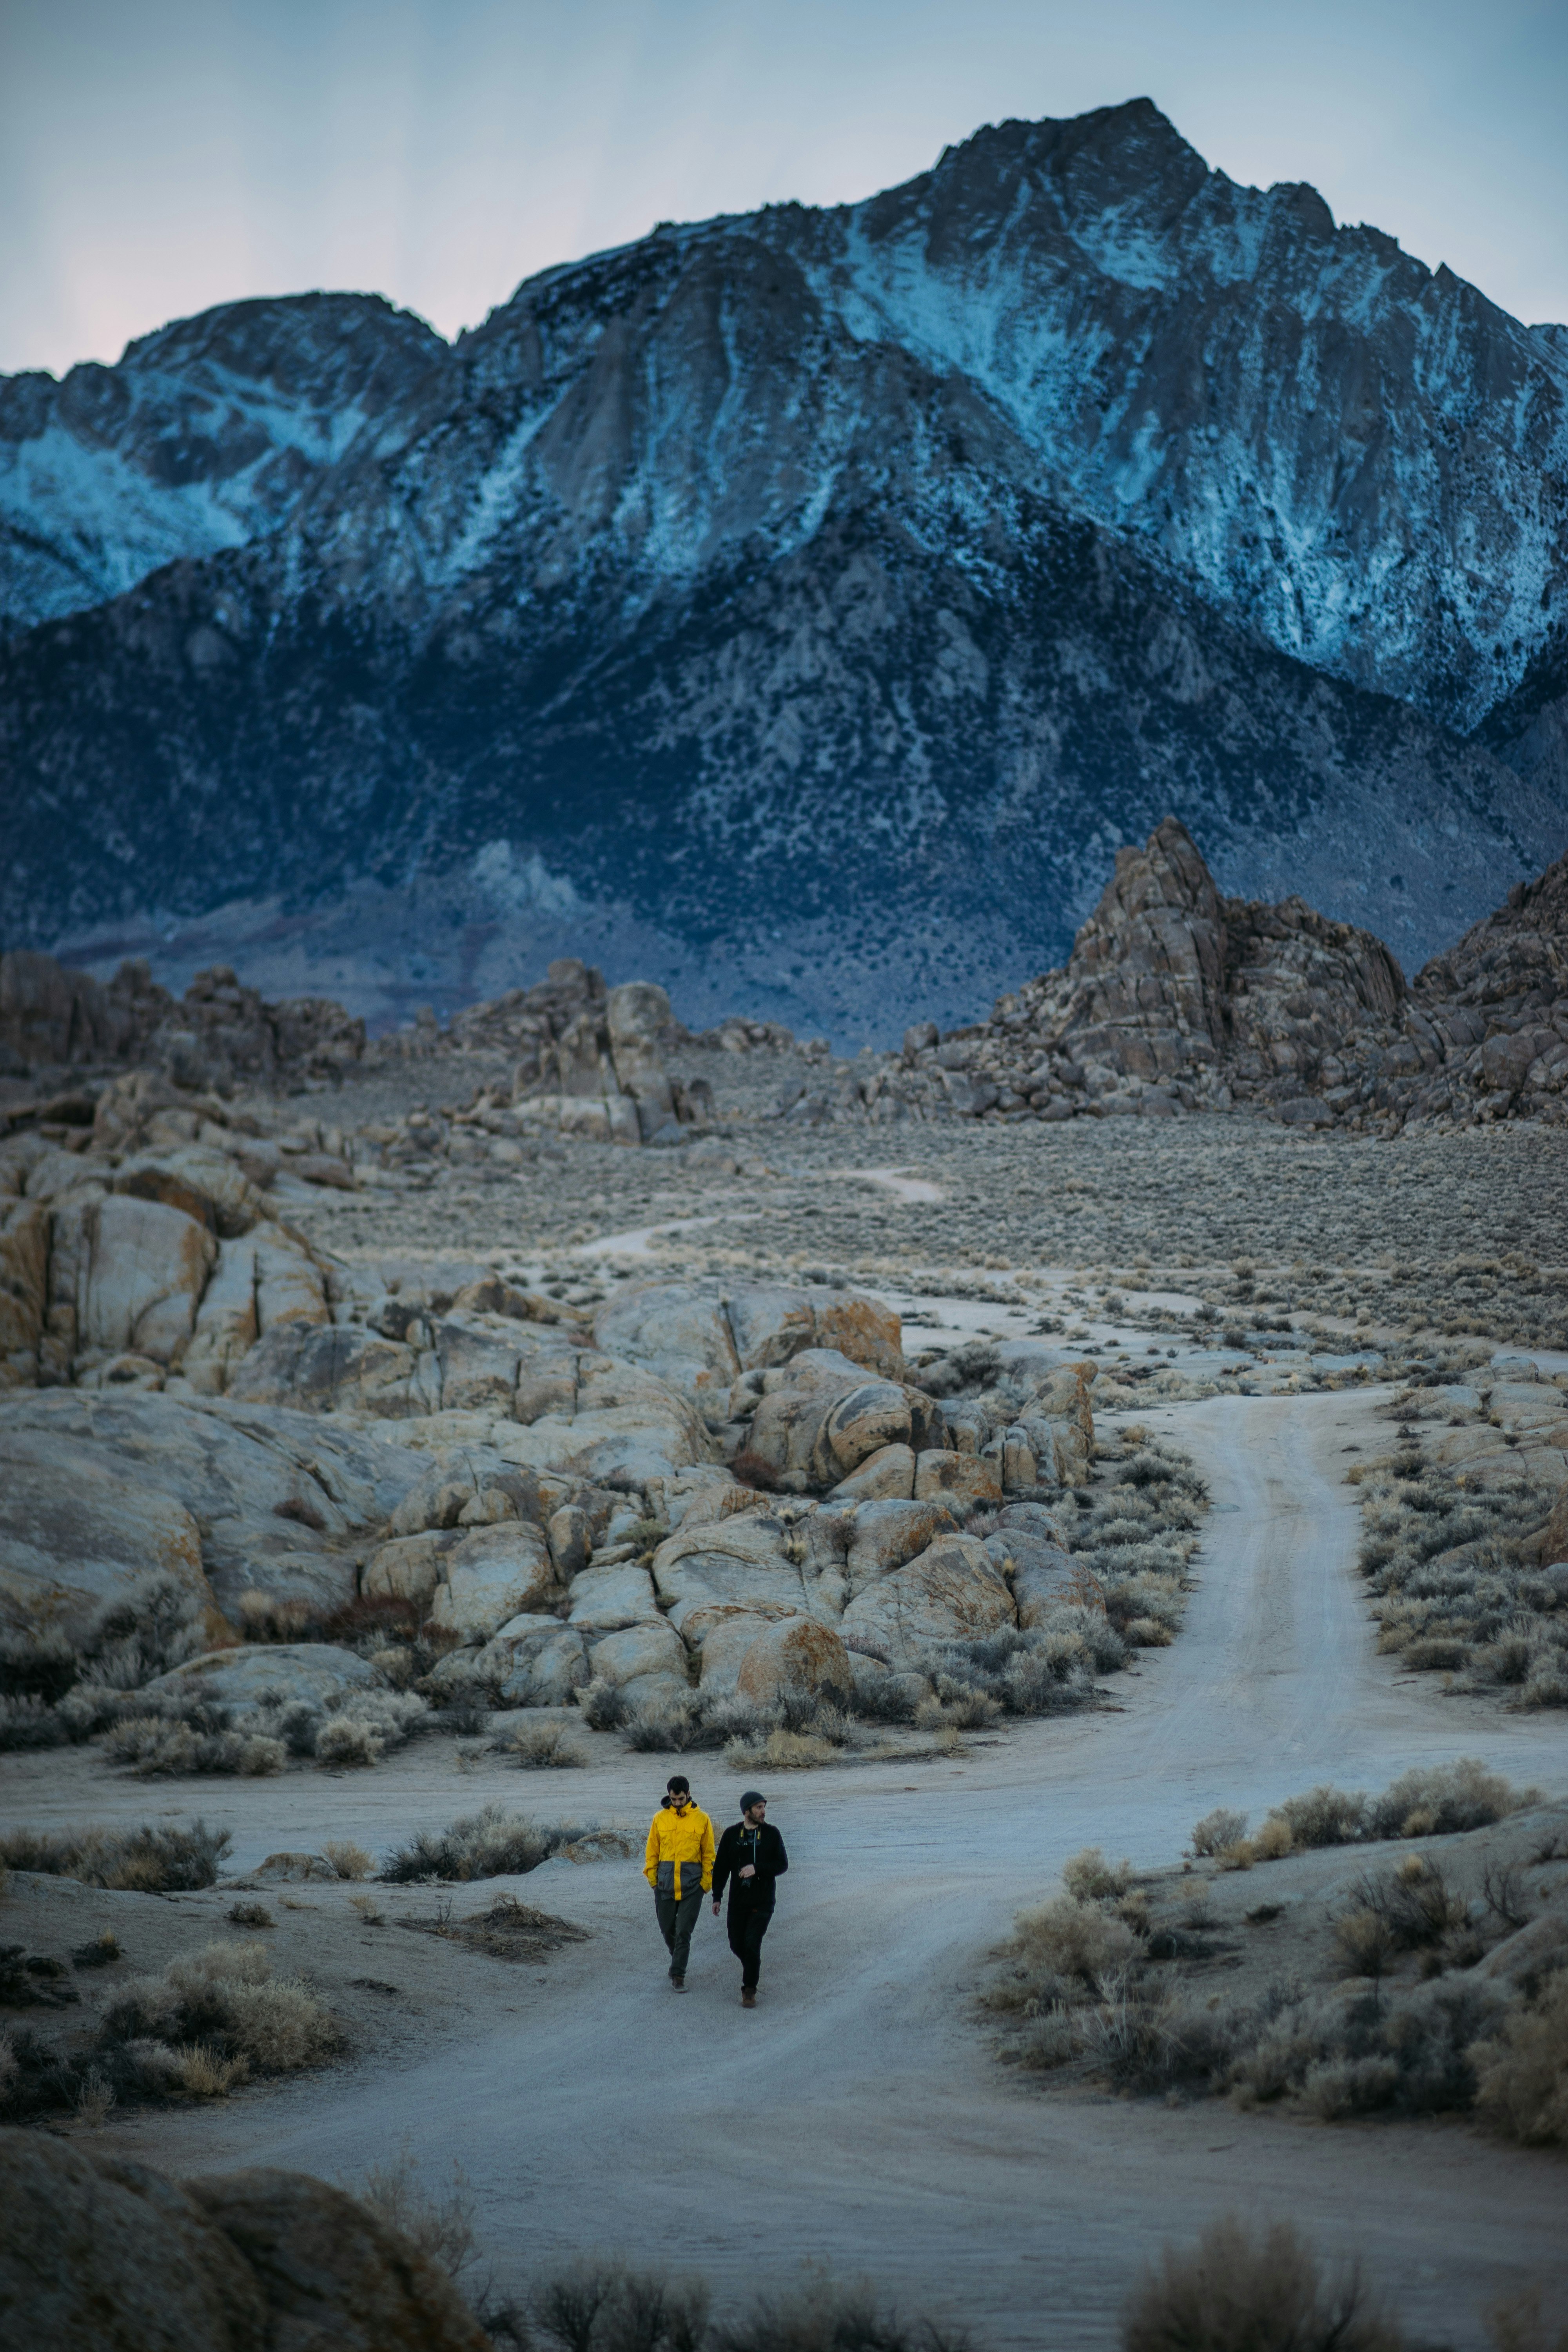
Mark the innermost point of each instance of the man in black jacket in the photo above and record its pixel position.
(751, 1857)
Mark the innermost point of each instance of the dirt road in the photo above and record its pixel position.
(857, 2118)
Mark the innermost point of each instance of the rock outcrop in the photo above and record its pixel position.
(1177, 999)
(99, 2255)
(219, 1035)
(556, 1507)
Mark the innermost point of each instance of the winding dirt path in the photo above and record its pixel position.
(856, 2117)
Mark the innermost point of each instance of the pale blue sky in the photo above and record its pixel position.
(159, 155)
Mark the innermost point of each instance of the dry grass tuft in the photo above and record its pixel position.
(348, 1860)
(250, 1915)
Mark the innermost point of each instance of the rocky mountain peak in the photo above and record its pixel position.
(203, 435)
(894, 560)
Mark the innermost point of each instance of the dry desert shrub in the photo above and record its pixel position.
(1456, 1581)
(100, 1951)
(147, 1861)
(608, 2307)
(602, 1704)
(1089, 1878)
(1045, 1670)
(153, 1747)
(1522, 2075)
(1072, 1940)
(249, 1915)
(1241, 2292)
(441, 2224)
(491, 1843)
(1431, 1799)
(779, 1750)
(542, 1746)
(671, 1727)
(1218, 1832)
(208, 2022)
(347, 1859)
(824, 2316)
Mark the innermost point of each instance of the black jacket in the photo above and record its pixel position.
(763, 1848)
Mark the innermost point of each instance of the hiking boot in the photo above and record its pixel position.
(677, 1984)
(748, 1997)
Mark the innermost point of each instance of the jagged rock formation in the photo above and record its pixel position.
(876, 568)
(1177, 998)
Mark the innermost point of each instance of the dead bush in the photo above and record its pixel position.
(441, 2224)
(1241, 2292)
(607, 2308)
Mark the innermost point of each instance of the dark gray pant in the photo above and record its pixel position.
(675, 1921)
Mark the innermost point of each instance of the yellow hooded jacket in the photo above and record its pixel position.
(685, 1841)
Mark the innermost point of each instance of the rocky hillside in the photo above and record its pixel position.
(1175, 999)
(893, 562)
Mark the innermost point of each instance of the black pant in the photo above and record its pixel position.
(675, 1921)
(748, 1923)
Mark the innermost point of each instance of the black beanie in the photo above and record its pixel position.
(750, 1796)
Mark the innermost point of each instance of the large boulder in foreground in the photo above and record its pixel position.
(98, 2254)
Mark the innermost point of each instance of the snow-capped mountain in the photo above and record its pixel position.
(204, 437)
(824, 596)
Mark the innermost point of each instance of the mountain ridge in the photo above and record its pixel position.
(704, 565)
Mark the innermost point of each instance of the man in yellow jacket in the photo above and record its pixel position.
(679, 1866)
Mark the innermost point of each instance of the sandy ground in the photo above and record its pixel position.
(858, 2118)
